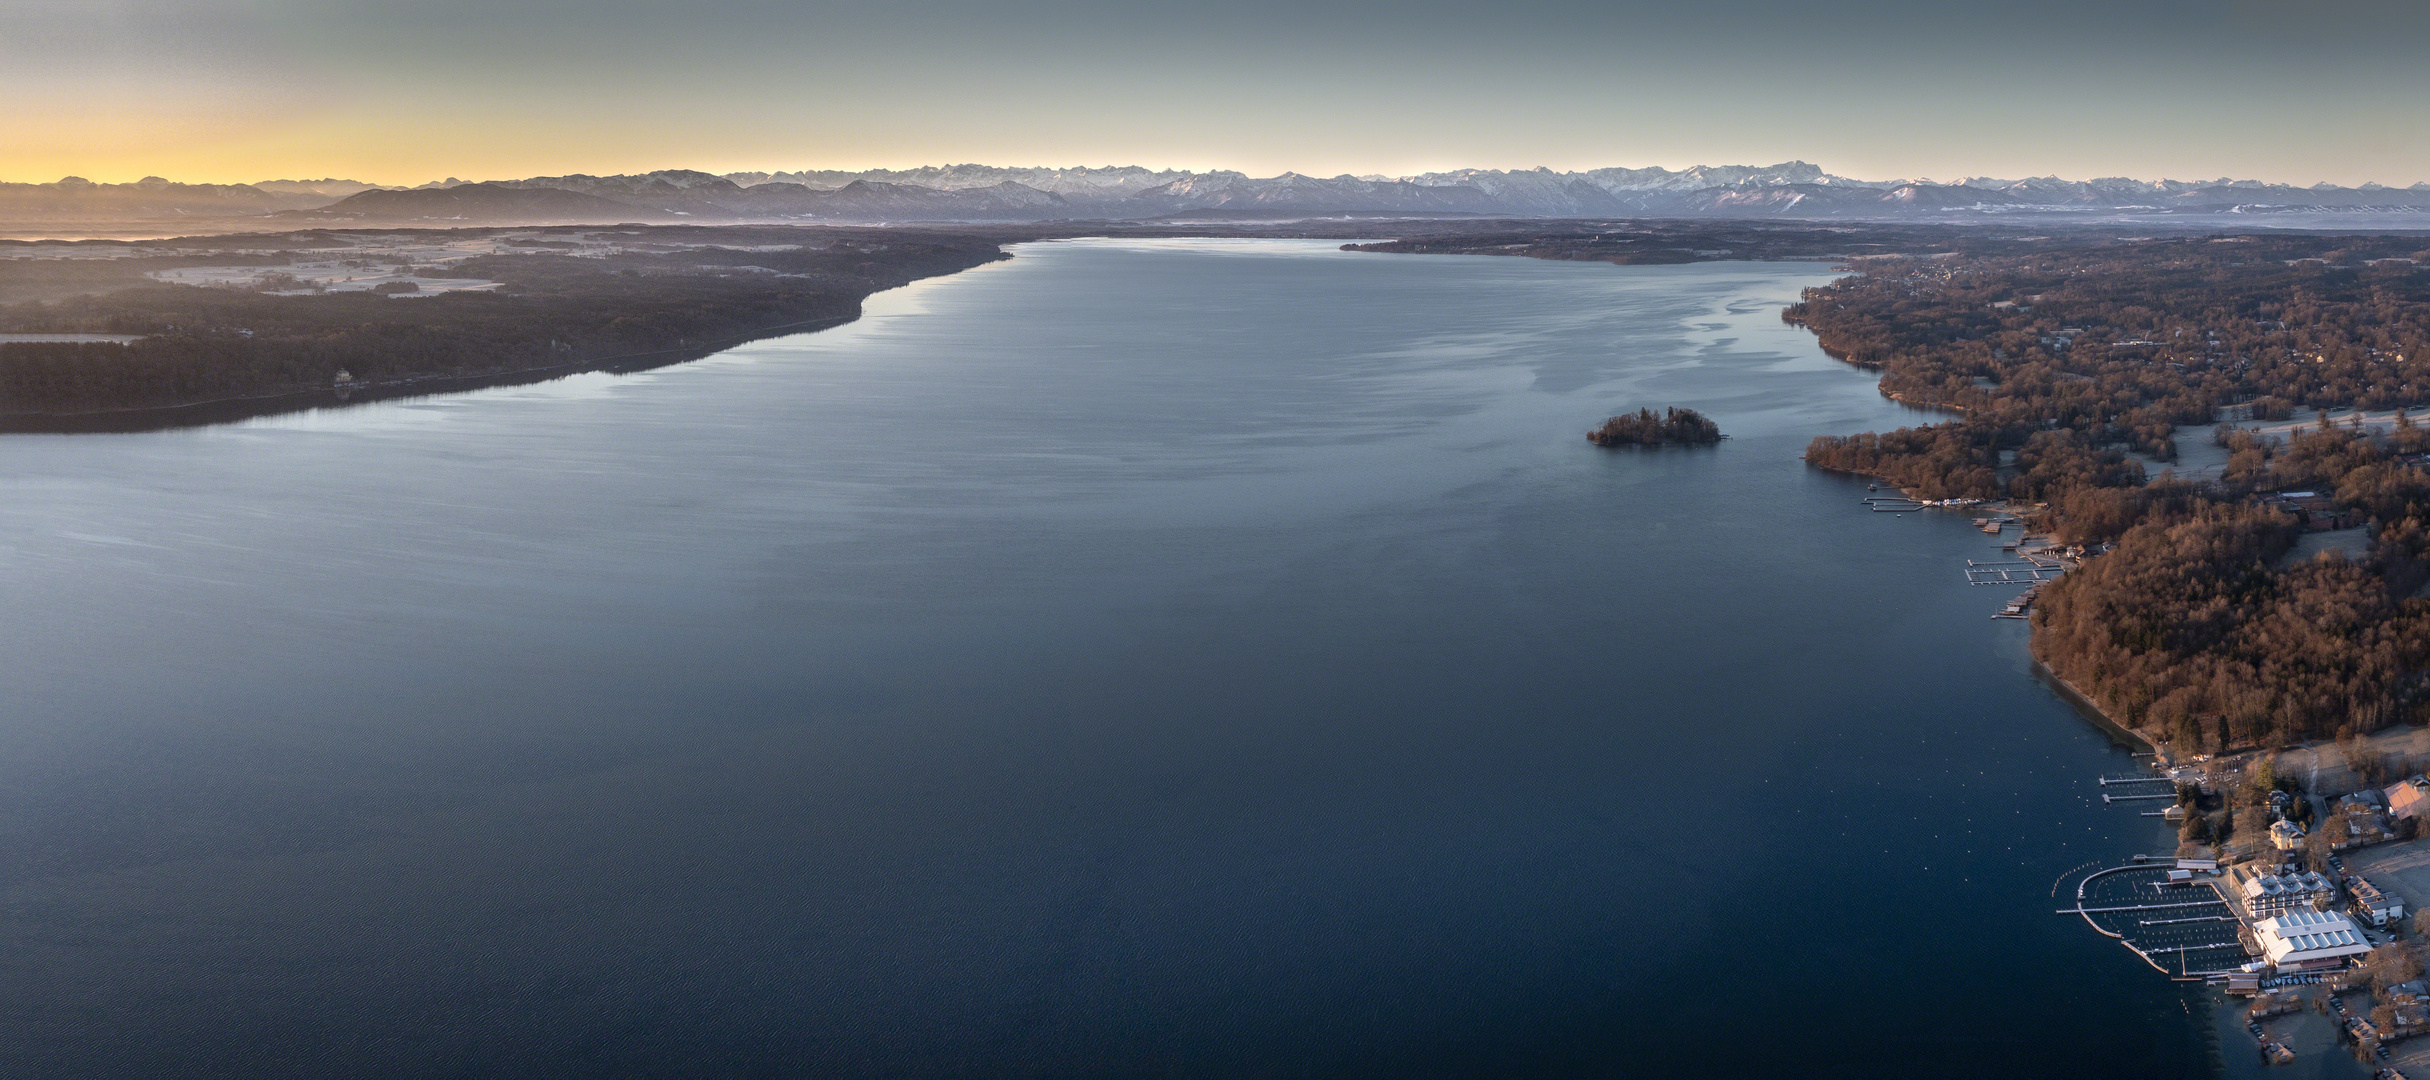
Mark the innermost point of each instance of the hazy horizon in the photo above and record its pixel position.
(456, 177)
(235, 91)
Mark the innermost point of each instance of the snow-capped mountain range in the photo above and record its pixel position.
(978, 193)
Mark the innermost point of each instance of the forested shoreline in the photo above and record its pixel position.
(2056, 356)
(2057, 362)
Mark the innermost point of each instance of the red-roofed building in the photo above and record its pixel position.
(2410, 799)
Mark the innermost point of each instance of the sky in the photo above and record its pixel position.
(404, 91)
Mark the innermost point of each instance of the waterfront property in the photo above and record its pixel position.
(2264, 894)
(2309, 940)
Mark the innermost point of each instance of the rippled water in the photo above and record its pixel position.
(1138, 658)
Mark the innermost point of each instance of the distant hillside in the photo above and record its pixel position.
(75, 200)
(1083, 182)
(331, 187)
(987, 194)
(475, 204)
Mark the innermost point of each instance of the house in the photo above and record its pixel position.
(2409, 799)
(2316, 511)
(2408, 1018)
(2372, 905)
(2309, 940)
(2286, 835)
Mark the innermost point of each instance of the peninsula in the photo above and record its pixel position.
(110, 335)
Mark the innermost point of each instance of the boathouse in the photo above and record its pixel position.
(2308, 940)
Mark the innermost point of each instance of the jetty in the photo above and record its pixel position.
(2025, 569)
(2020, 606)
(2173, 929)
(2141, 907)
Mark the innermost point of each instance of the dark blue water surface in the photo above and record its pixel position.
(1134, 659)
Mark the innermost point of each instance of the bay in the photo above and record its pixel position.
(1136, 658)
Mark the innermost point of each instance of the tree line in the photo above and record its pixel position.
(2056, 363)
(1684, 427)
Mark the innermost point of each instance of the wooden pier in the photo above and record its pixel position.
(2023, 571)
(2079, 910)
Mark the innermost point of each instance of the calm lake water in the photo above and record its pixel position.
(1138, 658)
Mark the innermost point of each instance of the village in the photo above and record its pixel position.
(2300, 883)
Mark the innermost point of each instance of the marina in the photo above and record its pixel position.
(2257, 913)
(2184, 947)
(2023, 569)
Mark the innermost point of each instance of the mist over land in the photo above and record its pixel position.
(982, 193)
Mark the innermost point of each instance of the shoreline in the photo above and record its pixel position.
(2074, 695)
(235, 409)
(2090, 709)
(565, 302)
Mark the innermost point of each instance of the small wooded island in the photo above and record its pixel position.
(1686, 427)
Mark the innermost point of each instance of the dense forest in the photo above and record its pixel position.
(662, 296)
(2057, 361)
(1683, 427)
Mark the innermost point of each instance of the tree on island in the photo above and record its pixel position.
(1686, 427)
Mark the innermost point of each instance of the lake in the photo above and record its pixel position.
(1176, 658)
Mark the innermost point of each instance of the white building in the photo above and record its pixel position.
(2278, 894)
(2376, 906)
(2303, 940)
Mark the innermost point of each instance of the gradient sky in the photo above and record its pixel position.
(402, 91)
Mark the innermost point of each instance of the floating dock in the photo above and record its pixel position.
(2018, 571)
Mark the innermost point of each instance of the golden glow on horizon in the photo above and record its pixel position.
(238, 91)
